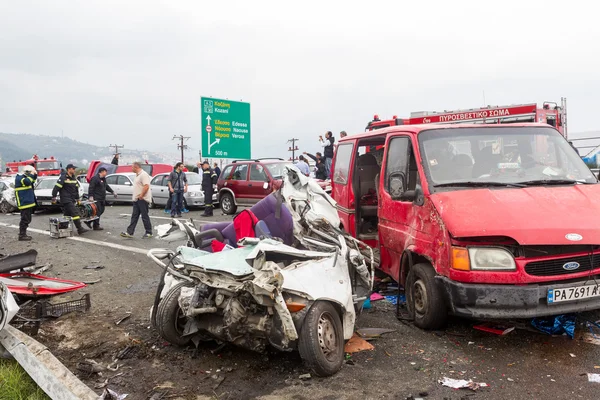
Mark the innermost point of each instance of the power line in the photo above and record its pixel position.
(293, 148)
(180, 145)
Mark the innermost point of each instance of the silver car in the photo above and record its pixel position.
(194, 196)
(122, 184)
(43, 193)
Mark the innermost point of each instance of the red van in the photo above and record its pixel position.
(481, 221)
(151, 169)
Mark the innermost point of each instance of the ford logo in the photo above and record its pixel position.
(574, 237)
(570, 266)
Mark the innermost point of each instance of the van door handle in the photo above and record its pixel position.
(249, 184)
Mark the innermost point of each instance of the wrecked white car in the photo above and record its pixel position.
(8, 201)
(260, 291)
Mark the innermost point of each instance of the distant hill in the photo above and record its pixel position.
(23, 146)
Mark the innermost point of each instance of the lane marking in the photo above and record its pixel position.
(84, 240)
(200, 221)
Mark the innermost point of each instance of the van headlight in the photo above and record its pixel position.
(491, 259)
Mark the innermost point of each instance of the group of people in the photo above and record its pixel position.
(323, 160)
(66, 190)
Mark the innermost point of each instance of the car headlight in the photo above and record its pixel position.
(194, 194)
(491, 259)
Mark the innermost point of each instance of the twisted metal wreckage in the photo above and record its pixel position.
(300, 290)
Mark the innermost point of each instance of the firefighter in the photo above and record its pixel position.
(25, 199)
(67, 186)
(209, 178)
(97, 192)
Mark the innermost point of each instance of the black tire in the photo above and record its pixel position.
(170, 320)
(321, 342)
(227, 204)
(4, 207)
(425, 298)
(152, 204)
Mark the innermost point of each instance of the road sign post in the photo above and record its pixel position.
(225, 128)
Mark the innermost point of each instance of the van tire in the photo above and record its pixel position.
(425, 298)
(169, 317)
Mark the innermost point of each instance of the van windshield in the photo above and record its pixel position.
(500, 156)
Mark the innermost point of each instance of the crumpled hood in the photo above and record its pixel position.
(532, 216)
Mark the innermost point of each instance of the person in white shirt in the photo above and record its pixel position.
(327, 145)
(142, 197)
(303, 166)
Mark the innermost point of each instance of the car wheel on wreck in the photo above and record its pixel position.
(321, 341)
(170, 320)
(4, 207)
(424, 298)
(227, 204)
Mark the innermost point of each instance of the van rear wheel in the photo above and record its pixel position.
(425, 298)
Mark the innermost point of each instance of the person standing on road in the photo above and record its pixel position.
(303, 166)
(320, 169)
(25, 199)
(327, 145)
(177, 186)
(142, 197)
(217, 170)
(209, 178)
(67, 187)
(97, 192)
(115, 160)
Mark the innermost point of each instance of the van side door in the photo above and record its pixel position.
(398, 208)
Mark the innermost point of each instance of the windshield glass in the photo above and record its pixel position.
(277, 169)
(47, 165)
(46, 184)
(193, 178)
(507, 155)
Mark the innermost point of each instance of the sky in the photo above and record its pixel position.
(133, 72)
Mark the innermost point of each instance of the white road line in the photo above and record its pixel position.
(200, 221)
(84, 240)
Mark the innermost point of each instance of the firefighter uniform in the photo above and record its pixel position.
(25, 199)
(209, 178)
(67, 187)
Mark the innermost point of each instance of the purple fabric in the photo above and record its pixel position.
(265, 211)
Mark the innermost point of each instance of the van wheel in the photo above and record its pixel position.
(425, 298)
(170, 319)
(227, 204)
(321, 342)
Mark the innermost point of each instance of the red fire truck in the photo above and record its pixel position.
(550, 113)
(44, 166)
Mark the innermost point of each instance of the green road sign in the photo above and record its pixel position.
(225, 128)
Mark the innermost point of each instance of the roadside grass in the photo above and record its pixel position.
(15, 384)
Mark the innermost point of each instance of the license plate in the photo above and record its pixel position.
(573, 293)
(46, 203)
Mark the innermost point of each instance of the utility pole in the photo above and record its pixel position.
(293, 148)
(117, 147)
(180, 145)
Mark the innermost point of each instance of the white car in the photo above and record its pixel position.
(122, 184)
(194, 196)
(84, 183)
(8, 202)
(43, 193)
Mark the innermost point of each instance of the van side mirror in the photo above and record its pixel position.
(397, 185)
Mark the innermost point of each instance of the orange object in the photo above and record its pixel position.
(357, 344)
(295, 307)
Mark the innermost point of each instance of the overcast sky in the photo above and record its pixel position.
(132, 72)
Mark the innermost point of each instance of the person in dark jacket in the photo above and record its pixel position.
(320, 168)
(209, 178)
(177, 186)
(115, 160)
(217, 170)
(25, 199)
(67, 186)
(97, 192)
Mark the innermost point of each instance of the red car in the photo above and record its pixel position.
(246, 182)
